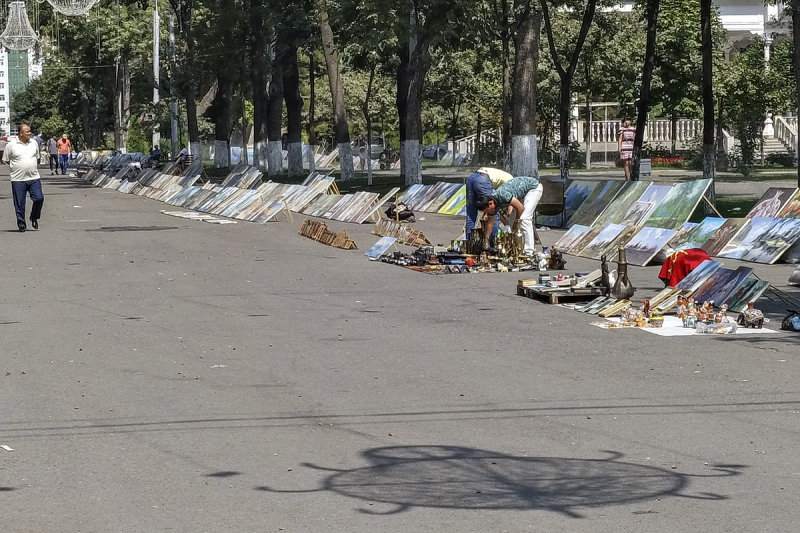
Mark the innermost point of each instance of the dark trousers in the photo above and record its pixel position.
(20, 189)
(479, 185)
(53, 162)
(64, 159)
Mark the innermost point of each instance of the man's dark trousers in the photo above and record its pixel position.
(53, 162)
(20, 190)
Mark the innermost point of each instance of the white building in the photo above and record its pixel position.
(17, 69)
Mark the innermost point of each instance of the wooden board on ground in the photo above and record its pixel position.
(558, 295)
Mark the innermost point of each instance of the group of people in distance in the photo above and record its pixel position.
(494, 192)
(22, 155)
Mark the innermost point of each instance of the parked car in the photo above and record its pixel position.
(429, 152)
(3, 143)
(377, 147)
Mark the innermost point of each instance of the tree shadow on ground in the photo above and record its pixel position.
(468, 478)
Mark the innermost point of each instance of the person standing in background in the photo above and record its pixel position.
(52, 154)
(625, 146)
(64, 149)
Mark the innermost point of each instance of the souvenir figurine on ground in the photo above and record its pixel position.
(683, 310)
(751, 317)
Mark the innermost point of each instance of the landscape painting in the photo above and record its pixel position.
(652, 197)
(763, 240)
(612, 250)
(721, 285)
(702, 233)
(581, 243)
(679, 204)
(599, 244)
(680, 236)
(792, 207)
(699, 275)
(618, 208)
(646, 244)
(779, 238)
(714, 245)
(572, 236)
(772, 202)
(594, 204)
(749, 291)
(637, 213)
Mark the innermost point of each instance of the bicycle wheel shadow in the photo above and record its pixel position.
(469, 478)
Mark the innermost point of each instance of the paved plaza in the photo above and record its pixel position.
(162, 374)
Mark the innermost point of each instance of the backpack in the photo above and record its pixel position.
(792, 321)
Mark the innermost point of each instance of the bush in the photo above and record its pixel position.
(786, 159)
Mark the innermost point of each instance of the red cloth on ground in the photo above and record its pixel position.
(678, 265)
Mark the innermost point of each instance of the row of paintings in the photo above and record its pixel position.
(443, 197)
(638, 203)
(243, 195)
(758, 240)
(664, 210)
(709, 282)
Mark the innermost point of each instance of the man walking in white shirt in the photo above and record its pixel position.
(23, 156)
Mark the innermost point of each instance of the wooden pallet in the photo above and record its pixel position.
(558, 295)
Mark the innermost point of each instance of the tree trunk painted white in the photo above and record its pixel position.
(524, 157)
(345, 161)
(410, 157)
(261, 155)
(222, 154)
(194, 149)
(274, 158)
(295, 158)
(312, 158)
(709, 160)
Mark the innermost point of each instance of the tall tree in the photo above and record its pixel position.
(708, 94)
(330, 51)
(259, 35)
(795, 7)
(275, 113)
(294, 110)
(528, 24)
(566, 75)
(414, 53)
(225, 23)
(651, 15)
(185, 67)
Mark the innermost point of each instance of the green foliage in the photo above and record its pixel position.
(48, 103)
(745, 96)
(782, 85)
(678, 73)
(139, 137)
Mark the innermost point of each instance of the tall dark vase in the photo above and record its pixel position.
(623, 288)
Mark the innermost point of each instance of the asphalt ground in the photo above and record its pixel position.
(161, 374)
